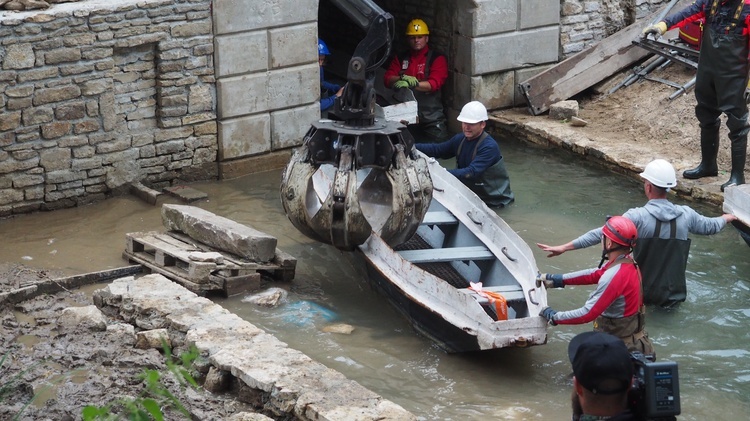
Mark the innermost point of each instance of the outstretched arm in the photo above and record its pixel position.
(556, 250)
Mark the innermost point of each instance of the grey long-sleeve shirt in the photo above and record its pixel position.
(688, 222)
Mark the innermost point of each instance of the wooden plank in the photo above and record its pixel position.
(447, 254)
(439, 218)
(589, 67)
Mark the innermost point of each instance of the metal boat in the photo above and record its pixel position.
(447, 277)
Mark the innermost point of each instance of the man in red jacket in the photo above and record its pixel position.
(424, 71)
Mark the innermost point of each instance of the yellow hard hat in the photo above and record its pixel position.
(417, 27)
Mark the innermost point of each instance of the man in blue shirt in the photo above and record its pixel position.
(479, 163)
(328, 91)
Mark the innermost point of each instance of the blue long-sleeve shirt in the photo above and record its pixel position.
(466, 167)
(329, 88)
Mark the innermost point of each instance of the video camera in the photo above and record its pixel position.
(655, 395)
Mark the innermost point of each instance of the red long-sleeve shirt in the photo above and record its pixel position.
(617, 294)
(417, 65)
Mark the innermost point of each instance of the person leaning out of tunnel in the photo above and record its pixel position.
(479, 163)
(328, 91)
(616, 305)
(424, 71)
(721, 80)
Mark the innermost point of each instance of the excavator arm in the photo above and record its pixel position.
(358, 174)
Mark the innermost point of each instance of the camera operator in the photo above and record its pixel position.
(603, 374)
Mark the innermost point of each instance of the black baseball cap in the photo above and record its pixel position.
(601, 362)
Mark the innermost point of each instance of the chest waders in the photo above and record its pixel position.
(663, 262)
(631, 329)
(719, 88)
(429, 104)
(493, 186)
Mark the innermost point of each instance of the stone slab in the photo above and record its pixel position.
(485, 17)
(219, 232)
(293, 45)
(737, 202)
(185, 193)
(244, 136)
(291, 383)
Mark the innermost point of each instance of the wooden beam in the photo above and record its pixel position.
(589, 67)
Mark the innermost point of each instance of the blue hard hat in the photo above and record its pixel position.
(323, 48)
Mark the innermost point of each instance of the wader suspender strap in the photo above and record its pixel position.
(428, 61)
(642, 309)
(461, 145)
(735, 18)
(672, 229)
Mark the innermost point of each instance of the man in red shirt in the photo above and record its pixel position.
(424, 71)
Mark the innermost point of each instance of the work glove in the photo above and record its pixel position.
(658, 30)
(550, 280)
(549, 314)
(400, 84)
(411, 80)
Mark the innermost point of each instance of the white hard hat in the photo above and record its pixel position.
(473, 112)
(660, 173)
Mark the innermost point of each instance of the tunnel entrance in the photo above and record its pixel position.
(342, 36)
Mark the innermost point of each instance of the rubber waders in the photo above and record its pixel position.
(739, 154)
(709, 150)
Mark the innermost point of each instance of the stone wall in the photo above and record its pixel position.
(99, 93)
(585, 22)
(96, 94)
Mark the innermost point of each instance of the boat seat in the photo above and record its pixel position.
(510, 292)
(447, 254)
(439, 218)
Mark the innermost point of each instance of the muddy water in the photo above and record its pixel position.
(558, 197)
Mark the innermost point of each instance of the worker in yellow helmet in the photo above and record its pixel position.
(424, 71)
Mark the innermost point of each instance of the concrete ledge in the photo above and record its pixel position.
(547, 133)
(290, 384)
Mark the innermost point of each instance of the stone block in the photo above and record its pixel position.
(288, 127)
(294, 86)
(244, 136)
(476, 18)
(293, 45)
(248, 15)
(494, 90)
(241, 95)
(19, 56)
(506, 51)
(536, 13)
(563, 110)
(219, 232)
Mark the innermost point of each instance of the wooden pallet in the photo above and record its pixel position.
(170, 254)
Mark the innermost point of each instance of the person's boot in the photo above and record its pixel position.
(739, 154)
(709, 150)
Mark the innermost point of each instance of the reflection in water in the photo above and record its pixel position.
(557, 199)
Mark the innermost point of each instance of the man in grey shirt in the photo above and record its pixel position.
(663, 244)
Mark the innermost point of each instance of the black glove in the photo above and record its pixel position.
(550, 280)
(548, 314)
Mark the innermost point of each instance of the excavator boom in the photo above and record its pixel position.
(358, 174)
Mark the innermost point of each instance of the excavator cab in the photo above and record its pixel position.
(358, 173)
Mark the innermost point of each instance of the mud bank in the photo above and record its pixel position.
(242, 369)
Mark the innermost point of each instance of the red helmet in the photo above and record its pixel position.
(621, 230)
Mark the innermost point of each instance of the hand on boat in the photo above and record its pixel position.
(550, 280)
(549, 314)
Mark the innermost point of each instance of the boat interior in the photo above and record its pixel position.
(446, 248)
